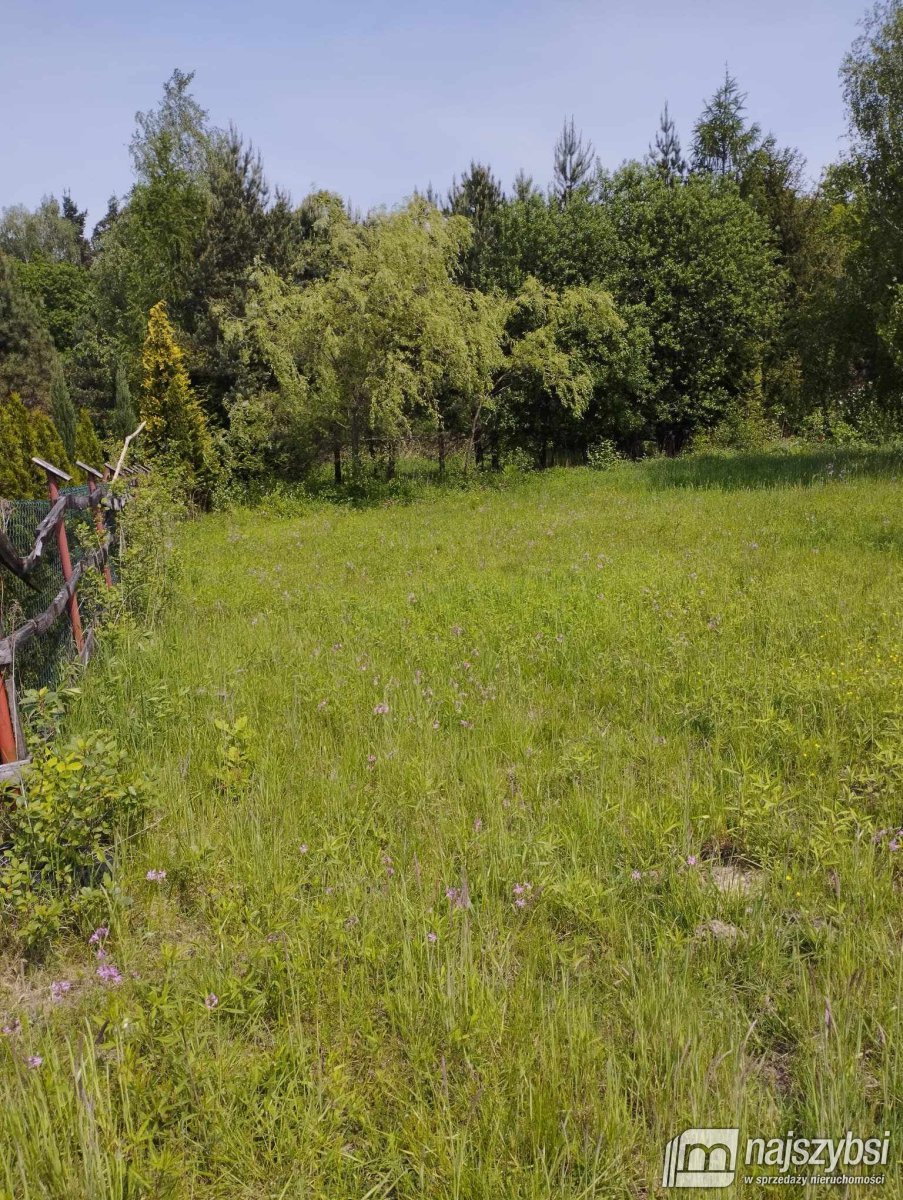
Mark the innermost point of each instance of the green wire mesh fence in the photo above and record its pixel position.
(40, 662)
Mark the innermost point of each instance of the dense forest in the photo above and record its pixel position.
(705, 293)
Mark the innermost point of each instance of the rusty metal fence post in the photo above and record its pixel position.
(53, 474)
(9, 742)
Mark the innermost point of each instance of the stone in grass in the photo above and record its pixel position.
(721, 931)
(732, 878)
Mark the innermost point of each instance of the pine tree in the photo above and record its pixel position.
(176, 426)
(478, 197)
(574, 160)
(28, 358)
(104, 225)
(63, 411)
(665, 153)
(124, 417)
(77, 218)
(87, 444)
(722, 141)
(524, 186)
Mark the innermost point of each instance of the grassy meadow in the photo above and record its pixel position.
(506, 834)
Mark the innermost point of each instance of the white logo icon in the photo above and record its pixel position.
(701, 1158)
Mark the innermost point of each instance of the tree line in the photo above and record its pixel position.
(703, 293)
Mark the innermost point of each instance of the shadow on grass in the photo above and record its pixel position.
(414, 480)
(802, 467)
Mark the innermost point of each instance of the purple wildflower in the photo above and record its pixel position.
(691, 860)
(634, 874)
(380, 709)
(98, 935)
(109, 973)
(59, 989)
(432, 937)
(14, 1027)
(211, 1001)
(156, 875)
(457, 897)
(34, 1061)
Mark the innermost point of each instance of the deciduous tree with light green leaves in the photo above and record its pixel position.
(872, 183)
(387, 342)
(563, 352)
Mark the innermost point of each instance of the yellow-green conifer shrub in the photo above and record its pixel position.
(87, 444)
(18, 477)
(175, 424)
(46, 443)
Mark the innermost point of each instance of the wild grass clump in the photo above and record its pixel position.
(496, 839)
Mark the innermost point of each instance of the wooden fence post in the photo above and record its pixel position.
(92, 476)
(53, 474)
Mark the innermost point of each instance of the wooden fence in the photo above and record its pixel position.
(99, 499)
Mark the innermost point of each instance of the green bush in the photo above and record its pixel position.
(744, 426)
(858, 420)
(602, 455)
(57, 831)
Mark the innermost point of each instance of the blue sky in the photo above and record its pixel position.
(375, 99)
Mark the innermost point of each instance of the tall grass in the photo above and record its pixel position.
(506, 835)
